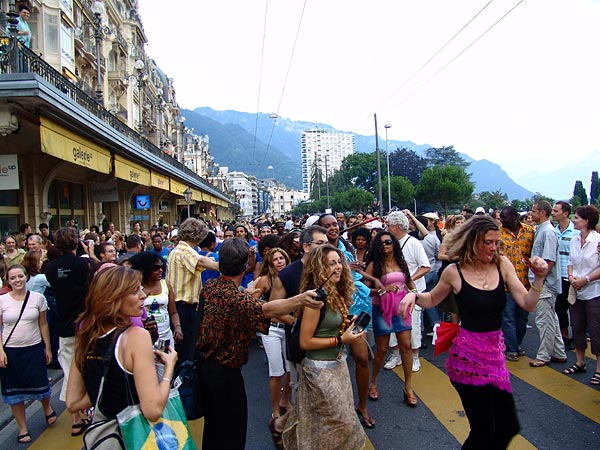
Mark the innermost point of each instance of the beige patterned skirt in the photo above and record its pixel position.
(323, 418)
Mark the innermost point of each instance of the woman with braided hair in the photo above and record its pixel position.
(323, 416)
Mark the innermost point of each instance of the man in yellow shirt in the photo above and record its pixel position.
(184, 266)
(517, 242)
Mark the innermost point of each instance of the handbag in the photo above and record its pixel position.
(169, 432)
(104, 434)
(187, 378)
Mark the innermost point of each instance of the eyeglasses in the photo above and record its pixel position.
(157, 267)
(387, 242)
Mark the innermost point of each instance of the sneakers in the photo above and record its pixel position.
(392, 362)
(416, 366)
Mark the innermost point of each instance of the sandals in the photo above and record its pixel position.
(24, 438)
(538, 363)
(51, 416)
(366, 421)
(276, 435)
(595, 380)
(373, 392)
(77, 429)
(410, 398)
(575, 368)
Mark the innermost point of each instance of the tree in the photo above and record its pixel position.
(352, 199)
(403, 191)
(495, 199)
(537, 197)
(407, 163)
(445, 186)
(579, 195)
(522, 205)
(594, 188)
(361, 169)
(445, 156)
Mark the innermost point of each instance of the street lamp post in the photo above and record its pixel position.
(98, 10)
(327, 182)
(387, 152)
(188, 198)
(141, 77)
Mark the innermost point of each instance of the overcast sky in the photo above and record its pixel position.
(526, 95)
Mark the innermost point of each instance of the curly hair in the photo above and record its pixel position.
(145, 262)
(267, 268)
(462, 244)
(192, 230)
(287, 242)
(102, 310)
(377, 257)
(316, 272)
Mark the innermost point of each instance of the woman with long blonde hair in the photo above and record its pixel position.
(324, 416)
(115, 295)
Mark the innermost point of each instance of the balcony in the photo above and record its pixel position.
(17, 60)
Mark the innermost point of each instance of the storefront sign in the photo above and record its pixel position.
(177, 187)
(9, 172)
(127, 170)
(159, 181)
(68, 146)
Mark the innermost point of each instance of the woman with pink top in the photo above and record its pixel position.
(386, 263)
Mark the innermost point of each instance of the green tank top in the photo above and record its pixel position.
(330, 327)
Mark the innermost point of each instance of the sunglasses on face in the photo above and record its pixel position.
(387, 242)
(157, 267)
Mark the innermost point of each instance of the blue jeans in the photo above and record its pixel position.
(514, 325)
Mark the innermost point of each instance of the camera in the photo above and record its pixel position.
(361, 323)
(321, 293)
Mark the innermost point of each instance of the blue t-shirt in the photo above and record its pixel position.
(207, 274)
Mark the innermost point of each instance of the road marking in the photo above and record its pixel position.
(576, 395)
(434, 389)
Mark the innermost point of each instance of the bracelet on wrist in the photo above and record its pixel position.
(535, 288)
(587, 279)
(339, 341)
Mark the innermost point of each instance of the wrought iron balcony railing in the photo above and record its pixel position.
(17, 58)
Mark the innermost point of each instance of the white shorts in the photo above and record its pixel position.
(65, 355)
(274, 344)
(415, 333)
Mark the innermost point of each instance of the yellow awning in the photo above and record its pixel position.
(130, 171)
(159, 181)
(197, 195)
(68, 146)
(177, 187)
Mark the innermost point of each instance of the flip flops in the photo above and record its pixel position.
(51, 416)
(24, 438)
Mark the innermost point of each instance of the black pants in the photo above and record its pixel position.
(225, 407)
(187, 317)
(562, 305)
(492, 416)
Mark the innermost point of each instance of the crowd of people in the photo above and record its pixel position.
(206, 292)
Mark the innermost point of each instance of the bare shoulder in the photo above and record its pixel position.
(137, 335)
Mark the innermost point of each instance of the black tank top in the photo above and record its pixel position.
(480, 310)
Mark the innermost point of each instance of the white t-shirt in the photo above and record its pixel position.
(27, 331)
(415, 258)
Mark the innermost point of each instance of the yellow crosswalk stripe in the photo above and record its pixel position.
(434, 389)
(583, 399)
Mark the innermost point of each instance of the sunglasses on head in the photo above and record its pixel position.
(387, 242)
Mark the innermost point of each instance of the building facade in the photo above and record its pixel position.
(323, 152)
(93, 130)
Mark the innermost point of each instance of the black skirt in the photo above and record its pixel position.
(25, 376)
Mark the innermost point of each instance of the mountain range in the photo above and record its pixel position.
(269, 147)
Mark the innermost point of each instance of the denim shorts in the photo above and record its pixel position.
(381, 328)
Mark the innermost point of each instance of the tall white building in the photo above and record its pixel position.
(246, 192)
(325, 150)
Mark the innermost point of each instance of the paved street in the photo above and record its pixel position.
(556, 411)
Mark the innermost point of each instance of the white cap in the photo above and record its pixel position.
(480, 210)
(311, 221)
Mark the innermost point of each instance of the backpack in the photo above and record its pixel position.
(295, 354)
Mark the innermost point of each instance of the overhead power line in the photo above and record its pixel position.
(285, 81)
(262, 59)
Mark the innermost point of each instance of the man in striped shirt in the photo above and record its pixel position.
(565, 232)
(184, 266)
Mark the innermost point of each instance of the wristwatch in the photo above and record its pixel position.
(587, 278)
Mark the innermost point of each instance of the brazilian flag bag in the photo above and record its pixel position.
(170, 432)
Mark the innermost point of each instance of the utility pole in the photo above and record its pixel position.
(380, 186)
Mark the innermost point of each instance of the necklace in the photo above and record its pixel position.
(483, 277)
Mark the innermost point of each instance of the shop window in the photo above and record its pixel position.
(9, 198)
(66, 200)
